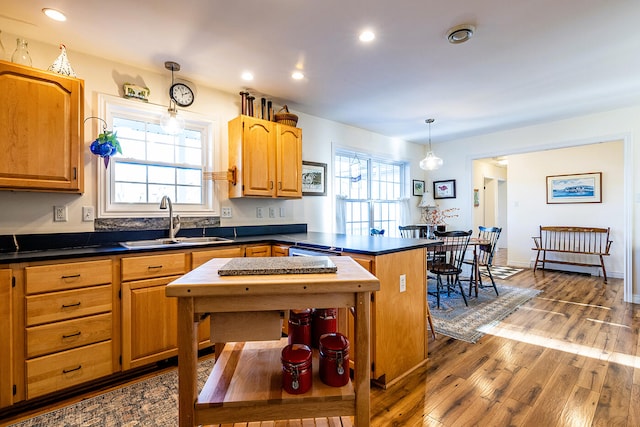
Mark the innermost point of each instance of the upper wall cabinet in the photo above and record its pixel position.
(267, 157)
(41, 130)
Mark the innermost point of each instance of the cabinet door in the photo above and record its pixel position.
(200, 257)
(6, 320)
(258, 157)
(258, 251)
(280, 250)
(149, 322)
(41, 130)
(289, 162)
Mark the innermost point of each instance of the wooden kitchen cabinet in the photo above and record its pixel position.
(267, 157)
(68, 325)
(398, 319)
(41, 130)
(6, 342)
(258, 251)
(149, 319)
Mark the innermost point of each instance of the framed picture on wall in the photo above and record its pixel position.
(418, 187)
(575, 188)
(314, 179)
(444, 189)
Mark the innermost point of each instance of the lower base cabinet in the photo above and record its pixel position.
(6, 341)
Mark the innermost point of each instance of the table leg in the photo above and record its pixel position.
(187, 362)
(362, 358)
(476, 270)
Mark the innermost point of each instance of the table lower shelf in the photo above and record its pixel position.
(246, 385)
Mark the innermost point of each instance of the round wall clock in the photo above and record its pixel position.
(181, 94)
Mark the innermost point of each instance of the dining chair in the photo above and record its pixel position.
(409, 231)
(448, 255)
(483, 256)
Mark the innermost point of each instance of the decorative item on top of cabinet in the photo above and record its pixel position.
(41, 130)
(61, 65)
(268, 157)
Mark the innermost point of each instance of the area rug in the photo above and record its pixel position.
(469, 324)
(500, 272)
(150, 402)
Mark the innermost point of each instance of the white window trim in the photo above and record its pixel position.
(107, 104)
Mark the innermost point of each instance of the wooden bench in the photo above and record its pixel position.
(572, 240)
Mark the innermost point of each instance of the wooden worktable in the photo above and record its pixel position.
(204, 291)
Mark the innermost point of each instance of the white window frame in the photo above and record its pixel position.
(109, 105)
(367, 158)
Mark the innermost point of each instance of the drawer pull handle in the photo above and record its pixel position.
(66, 371)
(77, 334)
(154, 267)
(73, 276)
(76, 304)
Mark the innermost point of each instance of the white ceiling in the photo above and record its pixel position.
(528, 62)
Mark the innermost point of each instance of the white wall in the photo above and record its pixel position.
(30, 212)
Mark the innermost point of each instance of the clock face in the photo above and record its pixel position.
(181, 94)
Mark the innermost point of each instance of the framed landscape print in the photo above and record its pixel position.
(314, 179)
(418, 187)
(444, 189)
(575, 188)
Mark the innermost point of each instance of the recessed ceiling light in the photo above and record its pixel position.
(297, 75)
(460, 33)
(54, 14)
(247, 76)
(367, 36)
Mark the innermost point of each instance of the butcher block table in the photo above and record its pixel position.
(245, 383)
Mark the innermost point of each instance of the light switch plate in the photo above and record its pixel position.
(226, 213)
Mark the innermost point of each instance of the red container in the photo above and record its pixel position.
(296, 368)
(300, 327)
(323, 322)
(334, 359)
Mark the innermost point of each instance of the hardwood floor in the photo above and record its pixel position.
(568, 357)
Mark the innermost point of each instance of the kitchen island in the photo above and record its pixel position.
(237, 398)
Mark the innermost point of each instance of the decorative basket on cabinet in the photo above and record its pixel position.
(286, 118)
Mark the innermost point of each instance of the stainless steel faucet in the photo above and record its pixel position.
(173, 230)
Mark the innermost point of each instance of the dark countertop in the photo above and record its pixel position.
(103, 245)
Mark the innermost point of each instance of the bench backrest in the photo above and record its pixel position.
(586, 240)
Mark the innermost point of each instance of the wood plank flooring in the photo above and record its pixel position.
(568, 357)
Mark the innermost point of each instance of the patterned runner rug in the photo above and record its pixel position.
(150, 402)
(458, 321)
(500, 272)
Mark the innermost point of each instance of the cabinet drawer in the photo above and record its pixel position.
(200, 257)
(258, 251)
(58, 371)
(69, 334)
(64, 305)
(57, 277)
(146, 267)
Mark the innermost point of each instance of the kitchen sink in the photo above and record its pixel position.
(177, 242)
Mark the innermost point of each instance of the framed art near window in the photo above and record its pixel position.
(575, 188)
(444, 189)
(418, 187)
(314, 179)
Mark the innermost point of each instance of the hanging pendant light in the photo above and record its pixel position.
(171, 122)
(431, 161)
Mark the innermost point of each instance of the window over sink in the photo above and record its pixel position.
(154, 163)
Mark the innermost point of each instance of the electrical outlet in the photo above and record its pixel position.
(226, 213)
(272, 212)
(60, 213)
(281, 212)
(88, 214)
(259, 212)
(403, 283)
